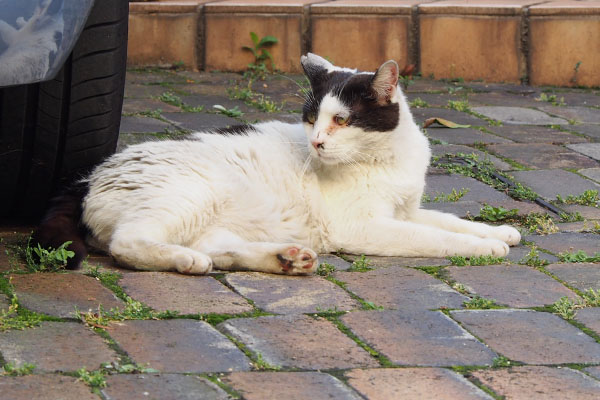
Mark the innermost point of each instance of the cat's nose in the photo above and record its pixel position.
(317, 144)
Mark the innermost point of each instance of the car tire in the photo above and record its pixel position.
(53, 133)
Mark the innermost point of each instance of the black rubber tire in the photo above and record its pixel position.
(57, 131)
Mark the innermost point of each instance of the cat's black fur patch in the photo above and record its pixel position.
(61, 223)
(355, 91)
(242, 129)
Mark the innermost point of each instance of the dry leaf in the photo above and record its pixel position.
(443, 122)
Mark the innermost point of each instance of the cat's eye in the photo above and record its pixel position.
(311, 117)
(338, 119)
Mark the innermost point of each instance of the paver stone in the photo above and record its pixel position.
(535, 134)
(56, 346)
(339, 263)
(413, 384)
(198, 122)
(185, 294)
(384, 262)
(135, 124)
(592, 173)
(567, 242)
(590, 317)
(441, 150)
(512, 285)
(582, 276)
(425, 338)
(291, 294)
(463, 136)
(510, 333)
(536, 382)
(289, 385)
(551, 182)
(577, 114)
(164, 387)
(589, 149)
(543, 155)
(178, 345)
(298, 341)
(459, 117)
(518, 116)
(401, 288)
(61, 294)
(594, 371)
(44, 387)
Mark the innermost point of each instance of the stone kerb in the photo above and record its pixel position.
(545, 43)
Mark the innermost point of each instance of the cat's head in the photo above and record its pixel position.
(349, 115)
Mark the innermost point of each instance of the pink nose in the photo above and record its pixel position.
(317, 144)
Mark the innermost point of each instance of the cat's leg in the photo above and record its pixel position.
(143, 245)
(452, 223)
(392, 237)
(231, 252)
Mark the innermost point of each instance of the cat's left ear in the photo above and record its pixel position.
(385, 81)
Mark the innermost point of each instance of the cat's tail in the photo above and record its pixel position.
(61, 224)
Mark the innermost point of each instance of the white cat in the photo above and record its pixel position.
(269, 197)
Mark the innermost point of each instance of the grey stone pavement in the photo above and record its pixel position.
(398, 328)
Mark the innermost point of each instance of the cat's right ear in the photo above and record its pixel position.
(315, 67)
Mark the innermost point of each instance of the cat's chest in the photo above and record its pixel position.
(369, 192)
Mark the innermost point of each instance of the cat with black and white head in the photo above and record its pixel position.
(269, 197)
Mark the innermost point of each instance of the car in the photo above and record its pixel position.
(62, 78)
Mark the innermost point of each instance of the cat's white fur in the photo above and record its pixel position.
(271, 200)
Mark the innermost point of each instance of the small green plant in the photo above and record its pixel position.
(94, 379)
(425, 198)
(459, 105)
(591, 297)
(501, 361)
(418, 103)
(369, 305)
(542, 224)
(171, 98)
(551, 99)
(568, 217)
(127, 368)
(174, 100)
(565, 307)
(133, 310)
(12, 370)
(533, 258)
(258, 68)
(461, 261)
(460, 288)
(234, 112)
(480, 303)
(361, 264)
(587, 198)
(483, 170)
(325, 269)
(454, 196)
(39, 259)
(496, 214)
(578, 257)
(16, 318)
(261, 364)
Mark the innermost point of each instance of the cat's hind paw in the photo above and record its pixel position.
(493, 247)
(193, 263)
(297, 260)
(507, 234)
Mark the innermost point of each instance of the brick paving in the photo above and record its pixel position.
(337, 337)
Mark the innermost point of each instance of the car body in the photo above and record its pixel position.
(37, 36)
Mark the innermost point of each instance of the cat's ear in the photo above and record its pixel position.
(315, 66)
(385, 81)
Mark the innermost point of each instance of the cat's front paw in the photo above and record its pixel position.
(492, 247)
(297, 260)
(193, 263)
(507, 234)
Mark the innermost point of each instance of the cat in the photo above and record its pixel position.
(269, 197)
